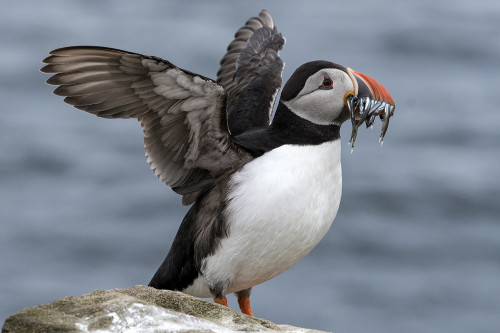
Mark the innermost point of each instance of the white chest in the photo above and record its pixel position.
(281, 205)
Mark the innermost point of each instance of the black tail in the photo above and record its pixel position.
(179, 270)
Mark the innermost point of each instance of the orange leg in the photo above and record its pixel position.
(221, 301)
(244, 303)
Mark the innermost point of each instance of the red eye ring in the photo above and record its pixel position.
(327, 83)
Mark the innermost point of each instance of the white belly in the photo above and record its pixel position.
(281, 205)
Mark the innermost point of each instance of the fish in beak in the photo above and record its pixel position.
(369, 100)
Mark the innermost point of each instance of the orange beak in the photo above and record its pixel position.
(368, 87)
(369, 100)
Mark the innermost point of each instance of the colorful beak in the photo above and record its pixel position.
(370, 100)
(368, 87)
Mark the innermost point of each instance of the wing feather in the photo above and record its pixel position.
(182, 114)
(251, 73)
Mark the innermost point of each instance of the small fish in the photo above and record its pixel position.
(366, 110)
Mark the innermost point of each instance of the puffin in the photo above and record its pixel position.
(264, 187)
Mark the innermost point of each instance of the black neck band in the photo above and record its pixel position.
(286, 128)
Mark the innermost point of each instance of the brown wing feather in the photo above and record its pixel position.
(182, 114)
(227, 70)
(251, 73)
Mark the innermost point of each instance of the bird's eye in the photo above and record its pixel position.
(327, 83)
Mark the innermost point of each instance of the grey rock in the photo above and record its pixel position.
(137, 309)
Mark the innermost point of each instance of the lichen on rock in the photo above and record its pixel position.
(137, 309)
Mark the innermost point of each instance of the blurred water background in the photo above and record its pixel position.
(416, 244)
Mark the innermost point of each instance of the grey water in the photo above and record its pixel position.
(415, 246)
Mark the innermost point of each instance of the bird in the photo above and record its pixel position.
(263, 187)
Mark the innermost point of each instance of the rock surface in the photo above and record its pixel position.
(137, 309)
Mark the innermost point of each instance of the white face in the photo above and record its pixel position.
(322, 106)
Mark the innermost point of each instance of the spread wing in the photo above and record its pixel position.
(182, 114)
(251, 73)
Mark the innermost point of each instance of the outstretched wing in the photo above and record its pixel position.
(251, 73)
(182, 113)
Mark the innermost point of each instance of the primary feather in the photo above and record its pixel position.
(182, 113)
